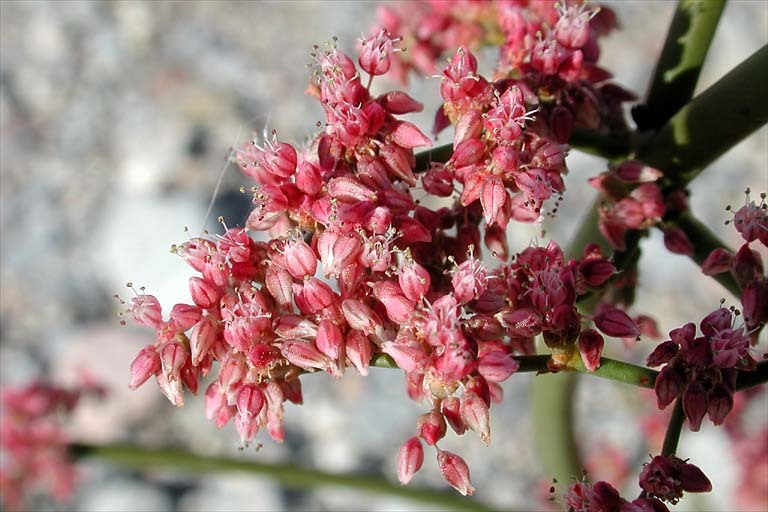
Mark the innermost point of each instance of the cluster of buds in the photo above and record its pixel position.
(632, 200)
(511, 167)
(548, 49)
(746, 266)
(703, 369)
(665, 478)
(33, 442)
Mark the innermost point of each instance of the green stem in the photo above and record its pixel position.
(672, 437)
(552, 416)
(608, 146)
(679, 65)
(289, 475)
(621, 372)
(704, 242)
(712, 123)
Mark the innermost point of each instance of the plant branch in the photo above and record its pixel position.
(679, 65)
(704, 242)
(759, 375)
(619, 371)
(712, 123)
(608, 146)
(289, 475)
(672, 437)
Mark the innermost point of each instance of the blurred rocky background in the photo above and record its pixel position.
(116, 121)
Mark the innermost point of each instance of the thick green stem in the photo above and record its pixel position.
(712, 123)
(552, 416)
(672, 437)
(677, 70)
(704, 242)
(289, 475)
(608, 146)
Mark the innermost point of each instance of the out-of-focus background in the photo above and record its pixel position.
(116, 121)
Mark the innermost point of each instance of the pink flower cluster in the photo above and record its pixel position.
(548, 49)
(665, 478)
(510, 167)
(357, 268)
(632, 200)
(33, 442)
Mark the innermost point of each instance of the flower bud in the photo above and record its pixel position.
(677, 242)
(590, 348)
(431, 427)
(468, 152)
(451, 409)
(250, 400)
(359, 351)
(202, 339)
(616, 323)
(523, 322)
(329, 340)
(398, 163)
(409, 460)
(492, 197)
(279, 284)
(719, 403)
(146, 364)
(185, 315)
(717, 262)
(694, 405)
(398, 102)
(300, 259)
(304, 355)
(497, 365)
(455, 471)
(408, 357)
(360, 317)
(408, 136)
(474, 413)
(596, 271)
(668, 386)
(350, 190)
(414, 280)
(204, 293)
(469, 126)
(663, 353)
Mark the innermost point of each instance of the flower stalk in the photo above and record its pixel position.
(679, 65)
(287, 474)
